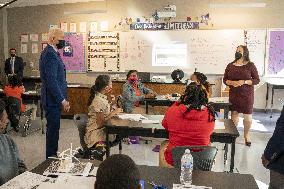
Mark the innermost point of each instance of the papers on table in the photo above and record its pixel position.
(219, 99)
(134, 117)
(180, 186)
(73, 86)
(137, 117)
(66, 181)
(219, 124)
(151, 121)
(27, 180)
(78, 168)
(30, 92)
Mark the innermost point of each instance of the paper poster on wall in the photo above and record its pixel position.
(73, 54)
(34, 48)
(64, 26)
(83, 27)
(52, 26)
(44, 37)
(73, 27)
(24, 38)
(43, 45)
(34, 37)
(24, 48)
(93, 27)
(276, 53)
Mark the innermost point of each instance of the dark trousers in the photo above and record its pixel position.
(52, 115)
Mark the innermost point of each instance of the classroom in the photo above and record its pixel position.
(141, 94)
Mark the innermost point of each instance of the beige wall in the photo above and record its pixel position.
(37, 19)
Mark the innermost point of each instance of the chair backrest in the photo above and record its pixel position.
(13, 104)
(203, 156)
(81, 123)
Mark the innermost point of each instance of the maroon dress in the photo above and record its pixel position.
(241, 97)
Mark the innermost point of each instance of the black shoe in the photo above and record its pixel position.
(248, 144)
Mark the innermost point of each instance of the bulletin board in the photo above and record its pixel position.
(73, 54)
(275, 49)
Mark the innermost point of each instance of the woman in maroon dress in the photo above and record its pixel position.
(241, 75)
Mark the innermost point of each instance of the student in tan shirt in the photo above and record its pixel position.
(99, 111)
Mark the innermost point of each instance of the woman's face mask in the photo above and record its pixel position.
(133, 79)
(238, 55)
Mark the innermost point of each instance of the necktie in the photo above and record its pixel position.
(12, 65)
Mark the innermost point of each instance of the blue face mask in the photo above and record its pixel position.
(61, 44)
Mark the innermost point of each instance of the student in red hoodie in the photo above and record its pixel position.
(15, 89)
(189, 121)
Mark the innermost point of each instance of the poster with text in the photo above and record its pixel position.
(276, 53)
(34, 37)
(73, 27)
(64, 26)
(24, 48)
(83, 27)
(24, 38)
(34, 48)
(73, 54)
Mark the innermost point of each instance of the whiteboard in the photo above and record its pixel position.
(207, 50)
(256, 43)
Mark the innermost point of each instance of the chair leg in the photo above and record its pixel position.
(120, 147)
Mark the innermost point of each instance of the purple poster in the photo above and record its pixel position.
(276, 52)
(73, 54)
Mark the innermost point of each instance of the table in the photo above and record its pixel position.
(35, 97)
(126, 128)
(217, 102)
(275, 83)
(168, 176)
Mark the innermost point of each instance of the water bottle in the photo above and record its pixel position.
(186, 168)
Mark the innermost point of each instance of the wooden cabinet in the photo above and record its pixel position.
(78, 96)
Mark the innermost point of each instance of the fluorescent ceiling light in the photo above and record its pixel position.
(237, 5)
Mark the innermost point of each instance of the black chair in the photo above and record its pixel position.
(80, 121)
(203, 156)
(19, 121)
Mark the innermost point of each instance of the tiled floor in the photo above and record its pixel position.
(247, 160)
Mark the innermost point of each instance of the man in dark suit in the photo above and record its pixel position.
(14, 64)
(54, 88)
(273, 157)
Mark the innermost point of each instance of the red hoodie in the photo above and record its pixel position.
(190, 129)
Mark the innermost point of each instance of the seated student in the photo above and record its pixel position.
(273, 157)
(134, 92)
(11, 164)
(189, 121)
(118, 172)
(99, 111)
(201, 79)
(15, 89)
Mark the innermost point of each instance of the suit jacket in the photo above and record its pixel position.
(18, 66)
(274, 150)
(53, 77)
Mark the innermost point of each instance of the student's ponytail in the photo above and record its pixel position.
(101, 82)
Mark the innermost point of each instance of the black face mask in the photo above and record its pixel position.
(61, 44)
(238, 55)
(13, 55)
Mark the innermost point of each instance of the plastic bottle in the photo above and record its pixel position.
(186, 168)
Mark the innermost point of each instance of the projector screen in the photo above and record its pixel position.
(170, 54)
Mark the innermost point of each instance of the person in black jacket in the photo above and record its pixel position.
(273, 157)
(14, 64)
